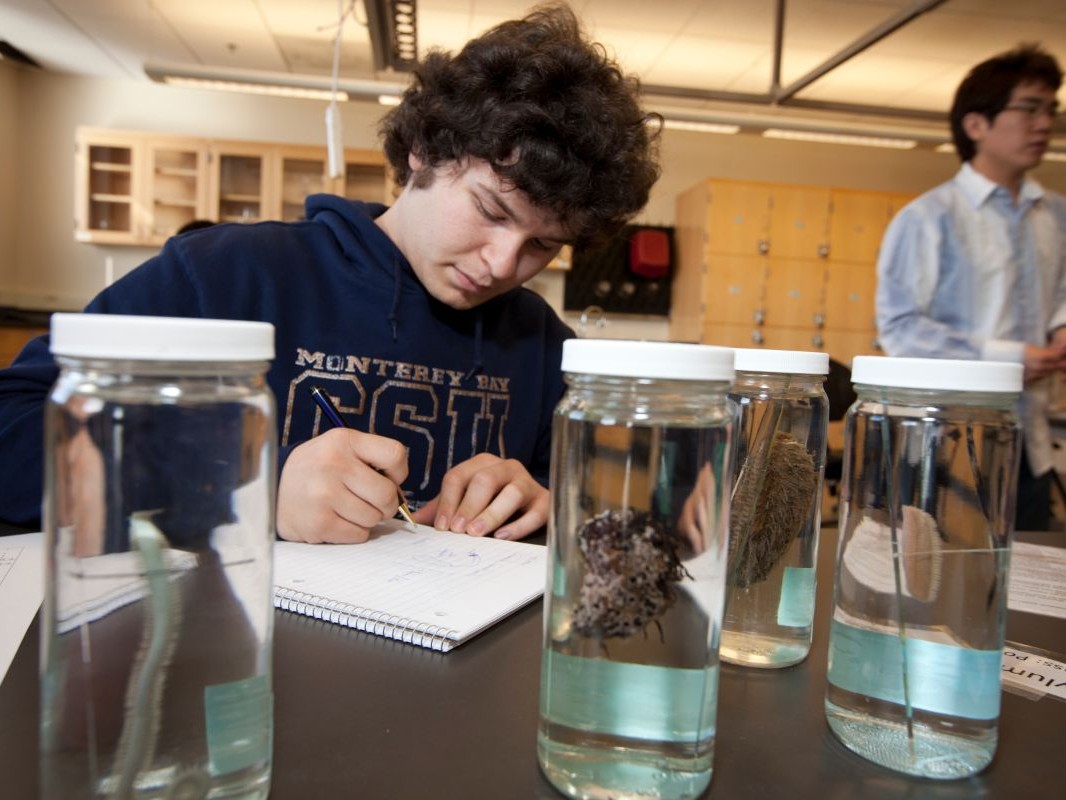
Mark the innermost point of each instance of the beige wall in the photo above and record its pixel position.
(9, 149)
(48, 268)
(41, 266)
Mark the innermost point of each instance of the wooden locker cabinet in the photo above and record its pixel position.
(138, 188)
(776, 266)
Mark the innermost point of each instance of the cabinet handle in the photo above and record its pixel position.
(823, 251)
(819, 320)
(756, 337)
(817, 340)
(759, 317)
(764, 246)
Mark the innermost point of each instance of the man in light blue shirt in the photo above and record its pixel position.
(976, 268)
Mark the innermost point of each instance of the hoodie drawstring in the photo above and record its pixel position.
(477, 365)
(394, 312)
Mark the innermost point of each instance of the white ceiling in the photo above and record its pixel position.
(704, 45)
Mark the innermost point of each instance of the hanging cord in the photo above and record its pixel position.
(334, 133)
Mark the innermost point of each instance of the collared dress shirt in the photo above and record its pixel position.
(965, 272)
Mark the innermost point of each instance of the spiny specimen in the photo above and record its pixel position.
(632, 564)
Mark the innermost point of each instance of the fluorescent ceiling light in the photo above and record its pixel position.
(389, 99)
(279, 84)
(254, 88)
(1050, 155)
(703, 127)
(839, 138)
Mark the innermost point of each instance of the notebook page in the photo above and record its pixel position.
(21, 590)
(451, 580)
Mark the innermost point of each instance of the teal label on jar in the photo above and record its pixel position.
(795, 609)
(240, 724)
(942, 678)
(637, 701)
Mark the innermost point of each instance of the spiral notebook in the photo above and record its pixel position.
(410, 583)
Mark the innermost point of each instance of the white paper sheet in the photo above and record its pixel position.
(21, 590)
(1034, 673)
(1037, 579)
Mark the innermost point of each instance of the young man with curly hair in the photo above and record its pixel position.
(976, 268)
(413, 317)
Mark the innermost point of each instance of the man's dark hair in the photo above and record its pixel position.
(988, 87)
(549, 110)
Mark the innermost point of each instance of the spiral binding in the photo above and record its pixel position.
(435, 637)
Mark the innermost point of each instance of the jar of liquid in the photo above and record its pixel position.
(775, 512)
(159, 522)
(642, 451)
(931, 451)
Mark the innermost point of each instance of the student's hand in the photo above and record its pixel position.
(332, 489)
(82, 492)
(1039, 362)
(695, 522)
(478, 496)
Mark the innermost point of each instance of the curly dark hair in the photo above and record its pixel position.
(550, 111)
(988, 87)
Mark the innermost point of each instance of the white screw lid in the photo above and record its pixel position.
(794, 362)
(937, 373)
(638, 359)
(139, 338)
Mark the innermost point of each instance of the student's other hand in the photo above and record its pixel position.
(332, 489)
(1039, 362)
(479, 496)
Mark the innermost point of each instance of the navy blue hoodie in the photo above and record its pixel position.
(351, 316)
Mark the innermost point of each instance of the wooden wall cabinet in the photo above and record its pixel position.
(777, 266)
(139, 188)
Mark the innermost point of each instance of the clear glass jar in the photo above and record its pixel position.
(776, 510)
(642, 452)
(931, 451)
(160, 453)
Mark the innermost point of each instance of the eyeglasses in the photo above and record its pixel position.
(1034, 108)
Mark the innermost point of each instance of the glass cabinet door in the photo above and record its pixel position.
(365, 182)
(175, 188)
(111, 189)
(241, 187)
(300, 177)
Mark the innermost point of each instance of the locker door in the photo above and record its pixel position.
(857, 221)
(799, 222)
(794, 292)
(725, 335)
(849, 296)
(735, 288)
(739, 218)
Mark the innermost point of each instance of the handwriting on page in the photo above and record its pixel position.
(414, 573)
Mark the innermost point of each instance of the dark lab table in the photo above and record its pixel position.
(361, 716)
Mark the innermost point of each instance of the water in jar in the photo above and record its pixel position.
(630, 672)
(917, 630)
(156, 678)
(774, 523)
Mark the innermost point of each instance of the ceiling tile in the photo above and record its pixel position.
(705, 63)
